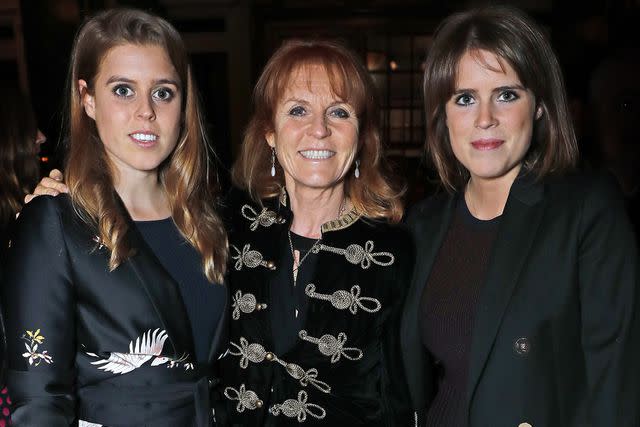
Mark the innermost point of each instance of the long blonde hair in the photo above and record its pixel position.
(186, 175)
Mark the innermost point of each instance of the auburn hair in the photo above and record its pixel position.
(373, 194)
(187, 175)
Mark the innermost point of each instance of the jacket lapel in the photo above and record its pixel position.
(517, 231)
(163, 292)
(428, 226)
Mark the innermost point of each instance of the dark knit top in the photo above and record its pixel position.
(448, 307)
(204, 301)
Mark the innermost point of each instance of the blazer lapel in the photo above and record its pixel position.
(428, 229)
(164, 294)
(517, 231)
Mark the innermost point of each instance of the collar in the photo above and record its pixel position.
(340, 223)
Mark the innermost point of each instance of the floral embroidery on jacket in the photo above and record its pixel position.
(146, 348)
(33, 340)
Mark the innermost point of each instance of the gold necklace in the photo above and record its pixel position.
(296, 263)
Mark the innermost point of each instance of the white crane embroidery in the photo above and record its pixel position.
(146, 348)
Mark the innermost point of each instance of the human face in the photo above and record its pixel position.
(315, 133)
(136, 104)
(490, 117)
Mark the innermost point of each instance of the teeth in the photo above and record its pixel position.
(317, 154)
(144, 136)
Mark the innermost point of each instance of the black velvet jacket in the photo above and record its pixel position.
(346, 368)
(92, 347)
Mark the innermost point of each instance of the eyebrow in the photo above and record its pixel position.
(114, 79)
(498, 89)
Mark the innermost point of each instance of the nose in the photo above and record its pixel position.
(145, 109)
(319, 127)
(486, 116)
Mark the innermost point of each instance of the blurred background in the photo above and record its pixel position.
(230, 40)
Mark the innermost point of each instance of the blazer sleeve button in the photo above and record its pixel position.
(522, 346)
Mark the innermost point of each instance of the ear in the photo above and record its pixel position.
(539, 112)
(88, 100)
(271, 139)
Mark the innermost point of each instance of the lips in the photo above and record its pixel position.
(144, 139)
(487, 144)
(317, 154)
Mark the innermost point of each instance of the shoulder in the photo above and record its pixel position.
(585, 190)
(47, 209)
(427, 207)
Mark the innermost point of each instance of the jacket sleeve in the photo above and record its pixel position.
(608, 279)
(395, 393)
(39, 309)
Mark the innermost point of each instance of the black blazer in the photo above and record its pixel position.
(110, 348)
(556, 340)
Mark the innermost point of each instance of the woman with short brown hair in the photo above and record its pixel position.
(523, 308)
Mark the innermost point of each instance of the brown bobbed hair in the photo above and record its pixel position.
(186, 174)
(373, 194)
(19, 168)
(513, 37)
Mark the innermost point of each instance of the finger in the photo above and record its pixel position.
(47, 182)
(56, 174)
(28, 198)
(42, 190)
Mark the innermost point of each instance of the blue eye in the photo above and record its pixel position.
(163, 94)
(297, 111)
(508, 96)
(340, 113)
(464, 99)
(123, 91)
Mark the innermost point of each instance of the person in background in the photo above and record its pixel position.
(319, 266)
(20, 141)
(615, 112)
(115, 313)
(524, 305)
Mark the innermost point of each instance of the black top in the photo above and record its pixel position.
(288, 302)
(203, 300)
(448, 308)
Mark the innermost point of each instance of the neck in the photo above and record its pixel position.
(312, 208)
(143, 195)
(486, 198)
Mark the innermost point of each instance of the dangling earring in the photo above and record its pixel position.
(273, 161)
(357, 171)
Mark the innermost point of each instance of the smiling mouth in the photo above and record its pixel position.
(317, 154)
(144, 140)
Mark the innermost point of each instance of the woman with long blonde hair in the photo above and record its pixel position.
(113, 299)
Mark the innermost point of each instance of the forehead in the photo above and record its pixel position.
(483, 66)
(314, 80)
(136, 61)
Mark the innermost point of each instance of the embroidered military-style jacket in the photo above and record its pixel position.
(90, 347)
(345, 368)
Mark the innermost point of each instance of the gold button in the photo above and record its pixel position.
(269, 356)
(259, 403)
(271, 265)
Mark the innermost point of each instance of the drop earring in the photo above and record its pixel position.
(356, 173)
(273, 161)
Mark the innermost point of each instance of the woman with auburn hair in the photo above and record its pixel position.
(524, 305)
(318, 264)
(112, 297)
